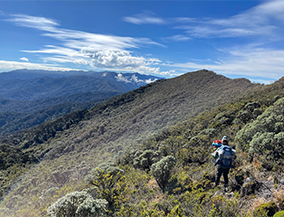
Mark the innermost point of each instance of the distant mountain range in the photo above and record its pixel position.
(30, 74)
(30, 97)
(34, 85)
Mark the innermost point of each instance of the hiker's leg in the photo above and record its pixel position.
(218, 175)
(226, 179)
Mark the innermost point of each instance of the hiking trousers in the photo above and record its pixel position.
(225, 172)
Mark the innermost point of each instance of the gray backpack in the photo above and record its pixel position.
(226, 157)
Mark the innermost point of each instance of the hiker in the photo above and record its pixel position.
(224, 156)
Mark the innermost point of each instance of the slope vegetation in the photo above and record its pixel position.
(172, 173)
(69, 147)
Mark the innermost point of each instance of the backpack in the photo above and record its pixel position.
(226, 157)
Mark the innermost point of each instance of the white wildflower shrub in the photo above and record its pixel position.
(77, 204)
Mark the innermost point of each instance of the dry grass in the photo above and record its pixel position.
(256, 203)
(152, 184)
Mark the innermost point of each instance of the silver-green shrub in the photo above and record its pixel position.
(265, 131)
(77, 204)
(162, 170)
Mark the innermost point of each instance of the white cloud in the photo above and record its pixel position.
(120, 77)
(178, 38)
(121, 59)
(148, 81)
(184, 20)
(24, 59)
(114, 58)
(258, 21)
(40, 23)
(50, 49)
(133, 79)
(145, 18)
(83, 48)
(273, 8)
(13, 65)
(262, 63)
(263, 23)
(78, 39)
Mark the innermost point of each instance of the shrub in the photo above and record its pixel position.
(271, 208)
(244, 116)
(77, 204)
(146, 159)
(279, 214)
(265, 135)
(251, 106)
(211, 132)
(109, 186)
(162, 170)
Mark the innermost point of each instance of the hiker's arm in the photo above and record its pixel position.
(215, 154)
(235, 156)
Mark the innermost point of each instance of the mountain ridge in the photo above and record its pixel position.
(146, 115)
(177, 91)
(74, 144)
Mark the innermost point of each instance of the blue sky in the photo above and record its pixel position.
(166, 38)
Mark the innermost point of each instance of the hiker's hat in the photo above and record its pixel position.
(225, 140)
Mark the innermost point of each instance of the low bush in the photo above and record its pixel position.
(270, 208)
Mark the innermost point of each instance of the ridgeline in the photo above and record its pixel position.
(133, 136)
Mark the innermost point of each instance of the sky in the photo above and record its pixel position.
(235, 38)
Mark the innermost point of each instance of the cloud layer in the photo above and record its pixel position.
(13, 65)
(251, 44)
(258, 21)
(96, 50)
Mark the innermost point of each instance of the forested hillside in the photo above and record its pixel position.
(13, 122)
(172, 173)
(34, 85)
(68, 148)
(31, 97)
